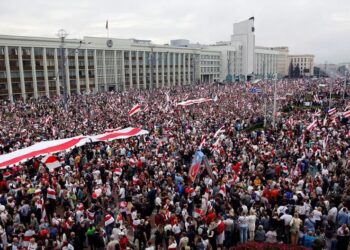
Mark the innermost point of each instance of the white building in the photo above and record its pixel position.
(243, 35)
(31, 66)
(269, 61)
(305, 63)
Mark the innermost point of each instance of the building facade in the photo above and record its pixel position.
(305, 63)
(269, 61)
(31, 67)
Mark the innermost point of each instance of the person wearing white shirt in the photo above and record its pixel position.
(332, 214)
(251, 225)
(317, 216)
(122, 193)
(282, 210)
(287, 218)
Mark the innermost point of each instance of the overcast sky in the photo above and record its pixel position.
(319, 27)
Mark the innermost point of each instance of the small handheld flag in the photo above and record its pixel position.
(255, 90)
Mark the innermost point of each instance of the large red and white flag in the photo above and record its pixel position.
(312, 126)
(135, 109)
(220, 130)
(41, 148)
(195, 101)
(119, 134)
(51, 162)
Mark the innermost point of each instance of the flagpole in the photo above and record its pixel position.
(107, 28)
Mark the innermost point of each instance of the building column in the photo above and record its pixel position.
(157, 70)
(137, 70)
(144, 70)
(130, 71)
(57, 75)
(115, 70)
(163, 83)
(46, 78)
(35, 84)
(95, 72)
(189, 69)
(184, 69)
(21, 73)
(8, 74)
(168, 69)
(77, 77)
(87, 80)
(174, 70)
(104, 70)
(179, 69)
(123, 70)
(67, 71)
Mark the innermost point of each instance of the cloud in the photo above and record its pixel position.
(306, 26)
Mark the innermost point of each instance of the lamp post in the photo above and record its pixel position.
(344, 89)
(330, 94)
(151, 61)
(194, 64)
(274, 101)
(62, 34)
(265, 92)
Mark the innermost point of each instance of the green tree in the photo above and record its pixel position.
(297, 71)
(291, 70)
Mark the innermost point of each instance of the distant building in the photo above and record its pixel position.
(305, 62)
(269, 61)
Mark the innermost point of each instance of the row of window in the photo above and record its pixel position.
(210, 62)
(212, 57)
(210, 69)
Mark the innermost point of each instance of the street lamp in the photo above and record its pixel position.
(151, 62)
(344, 89)
(274, 101)
(62, 34)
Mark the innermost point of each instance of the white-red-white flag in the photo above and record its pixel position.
(196, 101)
(346, 114)
(146, 108)
(51, 194)
(134, 110)
(312, 126)
(118, 171)
(108, 219)
(220, 130)
(51, 162)
(332, 111)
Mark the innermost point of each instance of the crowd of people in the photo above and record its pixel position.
(277, 183)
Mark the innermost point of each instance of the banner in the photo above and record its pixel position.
(196, 162)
